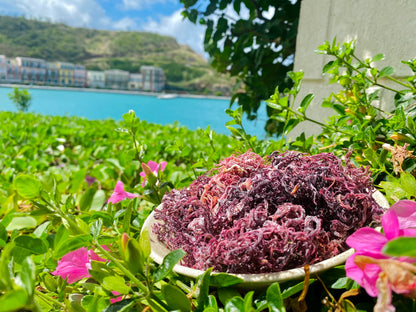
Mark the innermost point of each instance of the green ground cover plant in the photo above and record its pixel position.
(72, 197)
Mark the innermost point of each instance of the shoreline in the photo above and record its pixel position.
(156, 94)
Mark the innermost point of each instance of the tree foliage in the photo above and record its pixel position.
(253, 40)
(21, 98)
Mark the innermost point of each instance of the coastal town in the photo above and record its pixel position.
(35, 71)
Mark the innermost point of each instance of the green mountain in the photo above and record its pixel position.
(185, 70)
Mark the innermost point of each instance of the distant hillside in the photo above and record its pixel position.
(99, 49)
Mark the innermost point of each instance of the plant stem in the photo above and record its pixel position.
(121, 267)
(49, 299)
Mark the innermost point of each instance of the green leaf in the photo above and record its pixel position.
(378, 57)
(290, 291)
(33, 245)
(327, 67)
(408, 183)
(175, 298)
(212, 303)
(19, 223)
(96, 228)
(248, 301)
(401, 247)
(224, 280)
(71, 244)
(372, 156)
(28, 275)
(226, 294)
(386, 71)
(144, 242)
(86, 199)
(274, 298)
(193, 15)
(14, 300)
(116, 283)
(235, 304)
(77, 179)
(292, 123)
(168, 263)
(203, 287)
(305, 103)
(394, 191)
(134, 256)
(27, 186)
(275, 106)
(235, 132)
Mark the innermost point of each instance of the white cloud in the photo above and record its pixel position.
(89, 13)
(71, 12)
(175, 26)
(125, 23)
(142, 4)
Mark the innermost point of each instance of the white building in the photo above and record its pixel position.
(135, 82)
(153, 78)
(95, 79)
(116, 79)
(3, 68)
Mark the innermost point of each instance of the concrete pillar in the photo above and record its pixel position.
(380, 26)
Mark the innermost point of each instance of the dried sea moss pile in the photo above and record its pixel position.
(255, 215)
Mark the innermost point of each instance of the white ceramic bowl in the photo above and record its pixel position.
(252, 281)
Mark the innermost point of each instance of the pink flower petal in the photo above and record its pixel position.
(366, 277)
(95, 257)
(408, 232)
(163, 165)
(390, 224)
(406, 213)
(367, 239)
(113, 300)
(119, 188)
(73, 266)
(153, 165)
(119, 194)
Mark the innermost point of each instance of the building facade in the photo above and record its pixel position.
(66, 73)
(95, 79)
(135, 82)
(28, 70)
(80, 76)
(153, 78)
(3, 68)
(116, 79)
(13, 71)
(32, 70)
(52, 74)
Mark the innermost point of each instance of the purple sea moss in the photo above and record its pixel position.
(255, 215)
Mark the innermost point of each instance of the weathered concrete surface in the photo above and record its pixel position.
(380, 26)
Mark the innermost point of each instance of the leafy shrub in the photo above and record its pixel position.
(20, 98)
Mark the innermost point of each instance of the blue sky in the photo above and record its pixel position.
(158, 16)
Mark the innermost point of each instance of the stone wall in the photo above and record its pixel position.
(380, 26)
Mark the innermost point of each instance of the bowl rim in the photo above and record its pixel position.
(252, 280)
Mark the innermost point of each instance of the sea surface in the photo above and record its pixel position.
(192, 112)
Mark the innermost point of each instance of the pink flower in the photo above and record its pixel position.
(117, 299)
(154, 166)
(367, 265)
(75, 265)
(119, 194)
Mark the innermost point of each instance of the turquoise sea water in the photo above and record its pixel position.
(191, 112)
